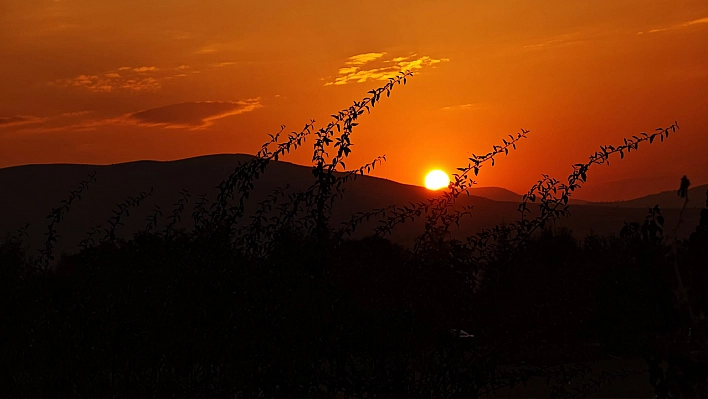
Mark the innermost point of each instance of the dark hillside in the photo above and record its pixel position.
(28, 193)
(665, 199)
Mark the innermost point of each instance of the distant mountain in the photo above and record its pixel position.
(665, 199)
(496, 194)
(502, 194)
(28, 193)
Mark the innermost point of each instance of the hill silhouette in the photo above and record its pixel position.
(665, 199)
(29, 193)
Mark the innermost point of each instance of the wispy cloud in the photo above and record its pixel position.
(112, 82)
(187, 115)
(362, 59)
(699, 21)
(177, 34)
(75, 114)
(561, 40)
(138, 79)
(28, 122)
(7, 121)
(223, 64)
(208, 49)
(359, 68)
(145, 69)
(148, 78)
(464, 106)
(194, 115)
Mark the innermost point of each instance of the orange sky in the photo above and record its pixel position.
(114, 81)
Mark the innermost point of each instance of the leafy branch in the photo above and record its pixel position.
(56, 216)
(553, 198)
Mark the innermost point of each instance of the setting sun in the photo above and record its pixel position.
(436, 180)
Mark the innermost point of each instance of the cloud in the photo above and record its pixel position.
(74, 120)
(696, 22)
(560, 40)
(7, 121)
(699, 21)
(223, 64)
(464, 106)
(177, 34)
(347, 70)
(362, 59)
(412, 65)
(208, 49)
(187, 115)
(192, 114)
(74, 114)
(145, 69)
(140, 79)
(110, 82)
(355, 72)
(147, 78)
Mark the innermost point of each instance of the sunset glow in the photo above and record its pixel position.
(330, 198)
(105, 82)
(436, 179)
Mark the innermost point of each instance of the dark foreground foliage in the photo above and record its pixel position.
(281, 303)
(183, 317)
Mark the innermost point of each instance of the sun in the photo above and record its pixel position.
(436, 179)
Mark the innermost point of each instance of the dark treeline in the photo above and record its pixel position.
(282, 303)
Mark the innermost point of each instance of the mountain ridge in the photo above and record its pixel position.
(495, 193)
(29, 192)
